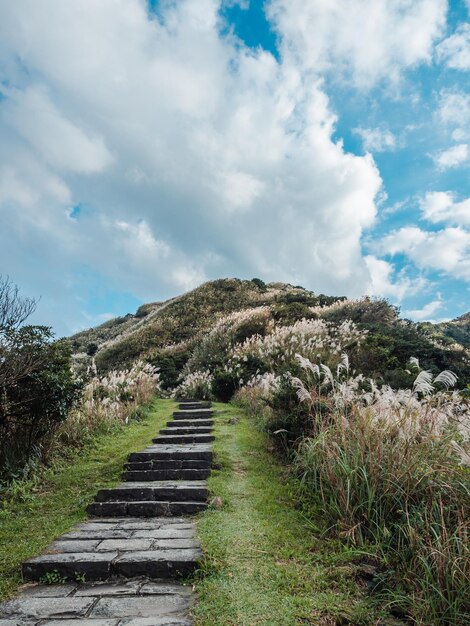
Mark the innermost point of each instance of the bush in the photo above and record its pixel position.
(259, 283)
(39, 399)
(170, 366)
(224, 385)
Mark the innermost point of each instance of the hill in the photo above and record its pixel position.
(166, 334)
(454, 331)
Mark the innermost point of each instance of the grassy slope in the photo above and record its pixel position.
(264, 563)
(27, 527)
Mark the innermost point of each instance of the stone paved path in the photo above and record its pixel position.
(137, 541)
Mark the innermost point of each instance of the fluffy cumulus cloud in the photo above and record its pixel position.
(440, 206)
(451, 157)
(376, 139)
(426, 312)
(160, 152)
(385, 283)
(454, 107)
(455, 50)
(364, 41)
(446, 250)
(192, 155)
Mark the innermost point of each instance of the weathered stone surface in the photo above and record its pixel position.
(125, 544)
(47, 591)
(158, 563)
(187, 508)
(156, 621)
(148, 509)
(188, 423)
(30, 607)
(193, 414)
(187, 430)
(107, 509)
(121, 588)
(168, 464)
(154, 490)
(166, 533)
(171, 474)
(97, 534)
(166, 439)
(79, 545)
(93, 565)
(161, 452)
(19, 621)
(156, 588)
(81, 622)
(188, 406)
(175, 543)
(147, 606)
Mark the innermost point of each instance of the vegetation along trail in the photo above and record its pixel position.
(330, 486)
(264, 559)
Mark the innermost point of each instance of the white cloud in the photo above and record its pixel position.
(426, 312)
(455, 50)
(446, 250)
(376, 139)
(383, 282)
(365, 41)
(440, 206)
(454, 107)
(194, 156)
(55, 139)
(452, 157)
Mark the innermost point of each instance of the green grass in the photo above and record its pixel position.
(58, 501)
(264, 562)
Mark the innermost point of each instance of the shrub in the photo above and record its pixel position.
(224, 385)
(259, 283)
(38, 399)
(385, 467)
(170, 366)
(196, 385)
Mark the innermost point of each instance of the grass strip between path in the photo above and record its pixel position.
(27, 526)
(264, 563)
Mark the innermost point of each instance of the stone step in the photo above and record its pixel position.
(180, 423)
(193, 414)
(167, 465)
(156, 548)
(187, 430)
(147, 466)
(168, 439)
(188, 406)
(135, 602)
(188, 452)
(145, 508)
(166, 474)
(166, 490)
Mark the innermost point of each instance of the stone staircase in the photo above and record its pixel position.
(137, 530)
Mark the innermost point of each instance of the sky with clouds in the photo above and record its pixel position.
(149, 145)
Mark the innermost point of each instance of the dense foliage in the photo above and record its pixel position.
(44, 405)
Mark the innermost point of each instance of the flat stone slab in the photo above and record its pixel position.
(178, 439)
(189, 451)
(167, 464)
(146, 508)
(166, 474)
(158, 548)
(187, 430)
(137, 602)
(200, 423)
(166, 490)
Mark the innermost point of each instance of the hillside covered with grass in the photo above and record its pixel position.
(167, 334)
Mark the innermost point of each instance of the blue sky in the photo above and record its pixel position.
(148, 146)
